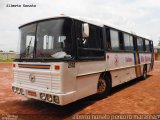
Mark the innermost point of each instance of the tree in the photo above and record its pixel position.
(159, 43)
(1, 50)
(11, 51)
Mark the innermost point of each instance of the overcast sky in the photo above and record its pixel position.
(139, 16)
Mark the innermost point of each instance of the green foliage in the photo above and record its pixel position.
(6, 60)
(159, 43)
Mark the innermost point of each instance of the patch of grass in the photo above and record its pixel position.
(6, 60)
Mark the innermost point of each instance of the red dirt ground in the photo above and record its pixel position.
(135, 97)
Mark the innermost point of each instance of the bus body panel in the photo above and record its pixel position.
(69, 83)
(145, 59)
(121, 76)
(87, 83)
(119, 60)
(87, 77)
(121, 66)
(90, 67)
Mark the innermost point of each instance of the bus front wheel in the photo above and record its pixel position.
(103, 87)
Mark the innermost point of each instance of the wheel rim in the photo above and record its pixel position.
(101, 86)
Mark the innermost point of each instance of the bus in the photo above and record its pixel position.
(64, 59)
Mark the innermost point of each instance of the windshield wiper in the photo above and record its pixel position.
(28, 47)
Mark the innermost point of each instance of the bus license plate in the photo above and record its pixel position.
(31, 93)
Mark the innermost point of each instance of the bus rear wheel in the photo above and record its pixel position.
(103, 87)
(144, 76)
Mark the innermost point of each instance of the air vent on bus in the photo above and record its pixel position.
(34, 66)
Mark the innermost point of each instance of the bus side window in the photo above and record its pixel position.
(95, 37)
(91, 46)
(147, 43)
(114, 37)
(128, 42)
(131, 43)
(94, 40)
(108, 42)
(79, 33)
(121, 41)
(144, 45)
(151, 46)
(140, 44)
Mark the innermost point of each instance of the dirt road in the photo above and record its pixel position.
(135, 97)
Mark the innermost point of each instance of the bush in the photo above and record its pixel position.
(6, 60)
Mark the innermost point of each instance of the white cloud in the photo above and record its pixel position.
(140, 16)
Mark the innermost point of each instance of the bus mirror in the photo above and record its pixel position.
(85, 30)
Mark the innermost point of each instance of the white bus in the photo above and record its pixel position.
(64, 59)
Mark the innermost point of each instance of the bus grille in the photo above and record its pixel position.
(42, 81)
(56, 83)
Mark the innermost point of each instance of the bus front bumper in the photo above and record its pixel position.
(58, 99)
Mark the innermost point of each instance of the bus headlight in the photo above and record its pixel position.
(21, 91)
(18, 90)
(49, 98)
(14, 89)
(56, 99)
(42, 96)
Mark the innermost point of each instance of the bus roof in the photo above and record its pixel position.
(88, 20)
(91, 21)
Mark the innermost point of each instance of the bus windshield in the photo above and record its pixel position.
(50, 39)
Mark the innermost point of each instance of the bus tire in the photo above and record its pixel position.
(144, 76)
(103, 87)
